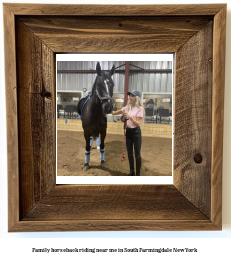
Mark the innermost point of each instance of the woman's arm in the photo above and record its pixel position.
(136, 122)
(117, 112)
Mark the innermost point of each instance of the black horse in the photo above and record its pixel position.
(94, 111)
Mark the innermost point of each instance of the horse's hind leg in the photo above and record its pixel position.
(102, 150)
(87, 152)
(91, 141)
(98, 144)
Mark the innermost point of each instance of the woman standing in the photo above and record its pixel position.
(133, 112)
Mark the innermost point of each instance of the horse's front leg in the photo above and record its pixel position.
(102, 150)
(87, 152)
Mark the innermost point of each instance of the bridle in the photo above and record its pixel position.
(108, 97)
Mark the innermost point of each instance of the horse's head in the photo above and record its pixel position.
(104, 88)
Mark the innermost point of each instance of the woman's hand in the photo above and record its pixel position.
(127, 116)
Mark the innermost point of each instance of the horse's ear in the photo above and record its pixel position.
(98, 68)
(112, 70)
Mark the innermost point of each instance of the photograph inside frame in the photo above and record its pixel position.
(114, 118)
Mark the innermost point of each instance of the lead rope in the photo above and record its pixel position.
(125, 126)
(124, 140)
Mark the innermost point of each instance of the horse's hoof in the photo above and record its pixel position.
(103, 166)
(98, 148)
(86, 167)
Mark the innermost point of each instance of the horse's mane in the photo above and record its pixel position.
(93, 86)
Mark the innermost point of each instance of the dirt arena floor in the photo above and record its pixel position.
(156, 156)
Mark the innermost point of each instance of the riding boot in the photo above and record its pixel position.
(131, 164)
(138, 166)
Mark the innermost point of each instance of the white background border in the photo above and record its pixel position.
(212, 245)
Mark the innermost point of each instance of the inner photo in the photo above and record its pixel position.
(114, 118)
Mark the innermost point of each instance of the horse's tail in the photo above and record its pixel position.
(94, 133)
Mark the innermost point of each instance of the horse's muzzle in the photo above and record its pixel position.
(107, 106)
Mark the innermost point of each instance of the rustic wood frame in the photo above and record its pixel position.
(33, 34)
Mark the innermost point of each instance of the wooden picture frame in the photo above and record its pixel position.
(34, 33)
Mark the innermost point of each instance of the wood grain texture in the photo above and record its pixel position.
(113, 225)
(193, 126)
(12, 121)
(115, 34)
(36, 99)
(108, 207)
(218, 115)
(115, 10)
(194, 201)
(114, 202)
